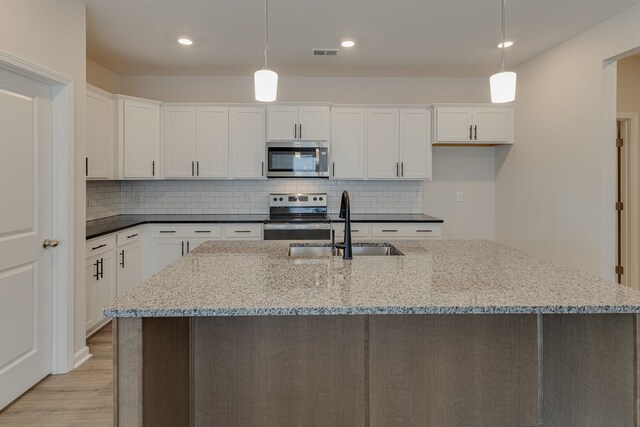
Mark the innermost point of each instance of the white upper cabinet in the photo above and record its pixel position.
(139, 138)
(99, 160)
(382, 141)
(298, 123)
(195, 142)
(415, 143)
(347, 143)
(179, 142)
(398, 143)
(474, 125)
(247, 142)
(212, 142)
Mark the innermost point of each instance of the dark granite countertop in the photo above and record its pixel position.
(101, 227)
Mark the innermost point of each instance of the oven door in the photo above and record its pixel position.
(312, 231)
(297, 159)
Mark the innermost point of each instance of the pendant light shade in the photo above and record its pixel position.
(503, 83)
(503, 87)
(266, 80)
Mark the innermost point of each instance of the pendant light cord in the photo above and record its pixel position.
(502, 61)
(266, 31)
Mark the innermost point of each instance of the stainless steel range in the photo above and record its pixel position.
(297, 217)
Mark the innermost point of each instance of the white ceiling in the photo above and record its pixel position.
(394, 37)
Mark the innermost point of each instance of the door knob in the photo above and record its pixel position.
(50, 243)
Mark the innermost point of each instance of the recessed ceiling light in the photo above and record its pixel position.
(348, 43)
(185, 41)
(506, 44)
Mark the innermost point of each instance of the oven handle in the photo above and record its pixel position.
(297, 226)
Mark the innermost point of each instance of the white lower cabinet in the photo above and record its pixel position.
(101, 280)
(129, 259)
(385, 230)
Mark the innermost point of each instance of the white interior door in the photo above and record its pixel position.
(26, 268)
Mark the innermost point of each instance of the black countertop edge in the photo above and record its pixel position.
(113, 224)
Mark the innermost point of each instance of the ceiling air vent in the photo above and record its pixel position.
(325, 52)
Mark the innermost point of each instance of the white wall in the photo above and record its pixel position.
(103, 77)
(52, 34)
(470, 170)
(555, 187)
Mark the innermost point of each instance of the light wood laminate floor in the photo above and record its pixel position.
(83, 397)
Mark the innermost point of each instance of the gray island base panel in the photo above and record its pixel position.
(180, 360)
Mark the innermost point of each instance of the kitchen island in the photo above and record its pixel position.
(450, 333)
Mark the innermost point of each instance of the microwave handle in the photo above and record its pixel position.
(317, 159)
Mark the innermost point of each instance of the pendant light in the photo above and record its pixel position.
(266, 80)
(503, 83)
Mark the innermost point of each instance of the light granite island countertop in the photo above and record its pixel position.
(433, 277)
(452, 333)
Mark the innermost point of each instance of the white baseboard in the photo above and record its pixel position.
(81, 356)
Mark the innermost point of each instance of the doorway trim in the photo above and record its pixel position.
(629, 133)
(63, 149)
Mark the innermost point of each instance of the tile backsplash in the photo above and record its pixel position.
(107, 198)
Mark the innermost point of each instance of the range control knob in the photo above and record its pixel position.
(275, 199)
(320, 198)
(280, 198)
(315, 198)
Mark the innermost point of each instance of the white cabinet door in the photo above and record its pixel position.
(314, 123)
(382, 143)
(141, 139)
(179, 142)
(164, 251)
(415, 143)
(91, 317)
(129, 267)
(347, 143)
(246, 142)
(99, 161)
(212, 142)
(492, 124)
(282, 123)
(454, 124)
(101, 288)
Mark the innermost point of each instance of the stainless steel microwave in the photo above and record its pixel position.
(301, 159)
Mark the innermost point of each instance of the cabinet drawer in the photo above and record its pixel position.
(419, 230)
(242, 231)
(358, 230)
(209, 231)
(128, 236)
(100, 245)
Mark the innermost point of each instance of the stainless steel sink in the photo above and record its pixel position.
(325, 250)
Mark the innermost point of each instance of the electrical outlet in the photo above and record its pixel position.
(459, 196)
(139, 198)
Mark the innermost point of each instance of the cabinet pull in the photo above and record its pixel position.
(99, 246)
(122, 260)
(202, 231)
(397, 173)
(188, 249)
(424, 231)
(86, 166)
(475, 132)
(470, 132)
(167, 231)
(153, 168)
(402, 169)
(334, 168)
(242, 231)
(193, 166)
(198, 168)
(300, 125)
(262, 168)
(97, 275)
(295, 131)
(355, 231)
(133, 235)
(183, 248)
(389, 231)
(102, 268)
